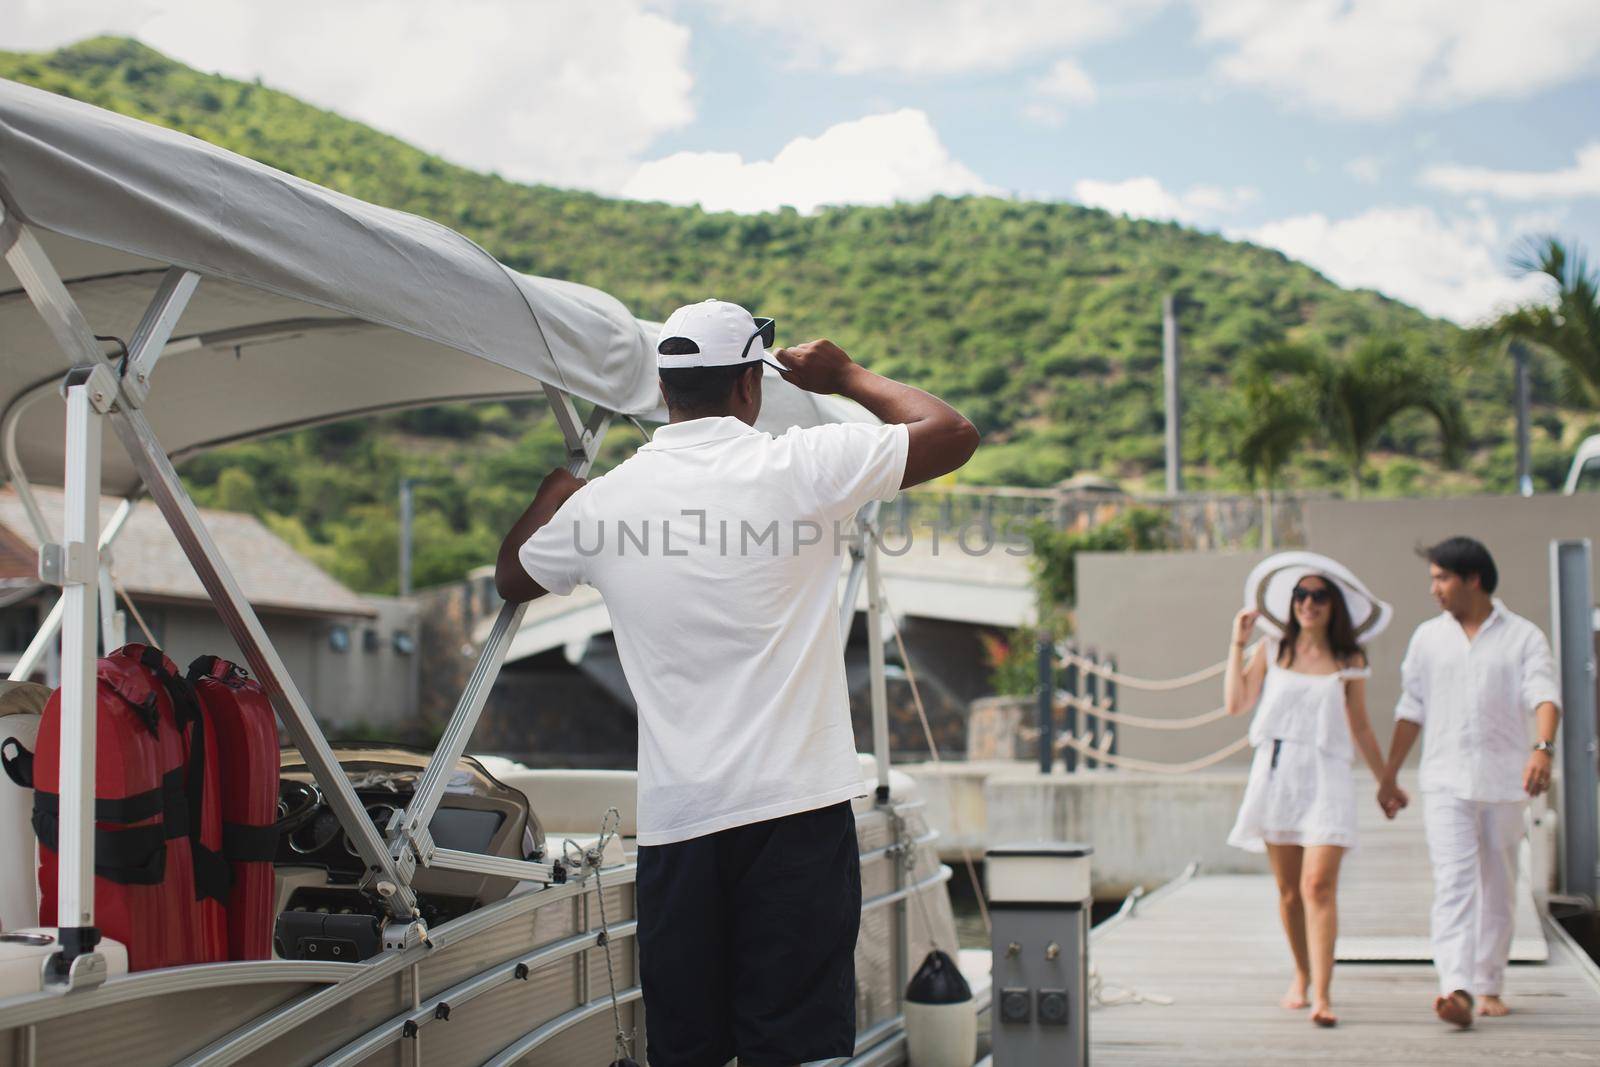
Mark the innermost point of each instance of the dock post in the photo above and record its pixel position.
(1039, 896)
(1047, 710)
(1573, 625)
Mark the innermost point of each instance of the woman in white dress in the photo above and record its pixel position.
(1308, 686)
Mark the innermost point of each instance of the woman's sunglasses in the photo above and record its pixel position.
(1316, 596)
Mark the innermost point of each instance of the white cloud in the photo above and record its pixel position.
(1454, 268)
(571, 94)
(1372, 59)
(1147, 198)
(1067, 82)
(878, 159)
(921, 37)
(1365, 169)
(1582, 179)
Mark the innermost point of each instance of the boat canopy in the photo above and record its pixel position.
(313, 305)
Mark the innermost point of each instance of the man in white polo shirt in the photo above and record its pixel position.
(1473, 675)
(717, 549)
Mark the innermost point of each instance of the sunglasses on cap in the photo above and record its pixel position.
(767, 330)
(1316, 596)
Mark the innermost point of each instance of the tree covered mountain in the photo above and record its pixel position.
(1039, 320)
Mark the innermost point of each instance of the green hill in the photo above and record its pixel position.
(1040, 320)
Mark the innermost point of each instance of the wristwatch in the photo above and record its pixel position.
(1544, 746)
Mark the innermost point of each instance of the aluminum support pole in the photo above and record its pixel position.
(50, 298)
(240, 618)
(1046, 704)
(880, 700)
(14, 471)
(150, 337)
(866, 529)
(409, 841)
(1524, 467)
(405, 536)
(1573, 623)
(1174, 397)
(45, 637)
(90, 391)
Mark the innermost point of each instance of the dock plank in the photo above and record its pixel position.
(1214, 947)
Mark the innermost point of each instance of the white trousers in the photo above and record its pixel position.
(1473, 846)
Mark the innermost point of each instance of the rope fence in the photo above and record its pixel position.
(1151, 685)
(1084, 676)
(1103, 710)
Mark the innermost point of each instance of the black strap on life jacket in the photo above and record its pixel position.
(212, 875)
(18, 763)
(131, 855)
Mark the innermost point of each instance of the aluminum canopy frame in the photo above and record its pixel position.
(297, 305)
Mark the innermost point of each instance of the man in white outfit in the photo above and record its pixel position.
(1472, 675)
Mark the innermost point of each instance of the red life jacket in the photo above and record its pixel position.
(246, 732)
(160, 880)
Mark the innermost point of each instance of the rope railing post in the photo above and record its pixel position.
(1069, 682)
(1111, 699)
(1047, 700)
(1091, 694)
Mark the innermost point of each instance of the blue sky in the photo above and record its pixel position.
(1404, 145)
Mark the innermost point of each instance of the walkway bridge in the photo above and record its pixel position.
(989, 586)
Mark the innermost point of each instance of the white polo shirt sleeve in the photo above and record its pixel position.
(552, 556)
(1412, 705)
(850, 463)
(1538, 683)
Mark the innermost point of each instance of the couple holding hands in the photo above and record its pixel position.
(1473, 675)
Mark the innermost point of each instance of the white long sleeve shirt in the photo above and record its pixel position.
(1474, 700)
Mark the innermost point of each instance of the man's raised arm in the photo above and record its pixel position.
(941, 439)
(511, 579)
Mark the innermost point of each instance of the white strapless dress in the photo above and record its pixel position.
(1302, 783)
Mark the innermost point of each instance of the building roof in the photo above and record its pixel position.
(148, 562)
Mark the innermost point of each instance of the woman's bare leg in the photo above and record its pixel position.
(1319, 886)
(1286, 867)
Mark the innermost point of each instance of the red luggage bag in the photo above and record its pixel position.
(131, 898)
(246, 731)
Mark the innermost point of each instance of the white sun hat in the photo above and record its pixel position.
(1270, 591)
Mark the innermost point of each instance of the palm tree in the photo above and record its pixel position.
(1358, 396)
(1570, 326)
(1264, 426)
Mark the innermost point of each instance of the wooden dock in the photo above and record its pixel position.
(1215, 948)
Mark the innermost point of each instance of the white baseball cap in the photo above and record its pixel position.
(714, 333)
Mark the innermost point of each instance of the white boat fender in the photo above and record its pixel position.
(941, 1021)
(23, 954)
(21, 704)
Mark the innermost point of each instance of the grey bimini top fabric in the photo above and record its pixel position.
(314, 305)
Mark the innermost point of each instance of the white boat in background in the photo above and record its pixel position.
(186, 297)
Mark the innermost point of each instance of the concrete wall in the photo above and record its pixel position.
(1145, 828)
(1165, 614)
